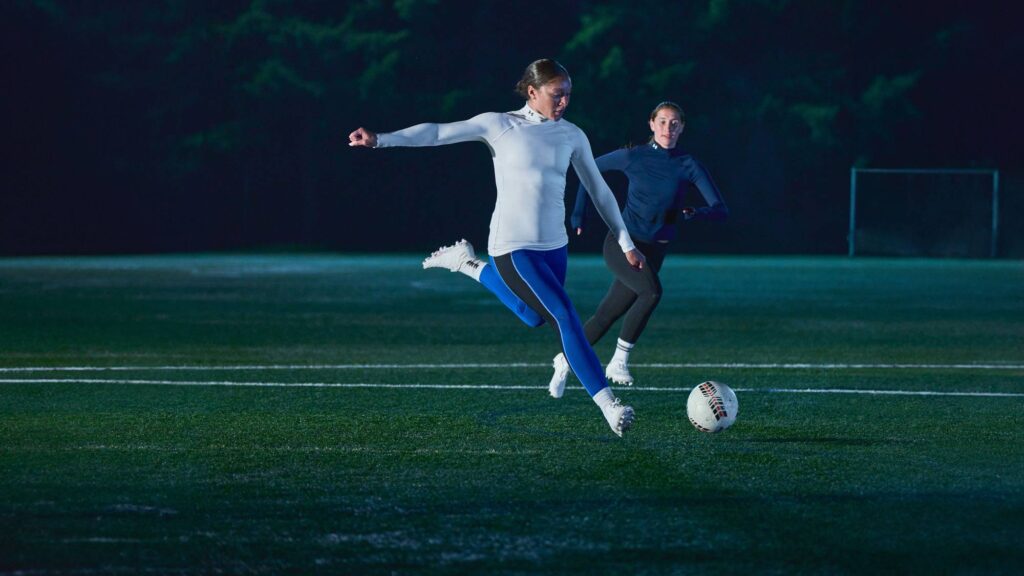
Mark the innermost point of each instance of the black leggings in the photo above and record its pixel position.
(634, 293)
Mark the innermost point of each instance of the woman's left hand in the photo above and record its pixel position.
(636, 259)
(362, 137)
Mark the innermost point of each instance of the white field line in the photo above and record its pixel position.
(252, 447)
(492, 387)
(470, 366)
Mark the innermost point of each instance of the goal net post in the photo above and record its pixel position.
(924, 212)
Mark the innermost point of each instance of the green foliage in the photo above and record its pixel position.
(273, 77)
(820, 119)
(379, 76)
(613, 66)
(716, 14)
(667, 79)
(890, 94)
(52, 8)
(454, 101)
(782, 96)
(218, 140)
(410, 9)
(594, 24)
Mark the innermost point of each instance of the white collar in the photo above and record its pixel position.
(531, 114)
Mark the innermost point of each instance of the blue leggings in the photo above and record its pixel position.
(531, 284)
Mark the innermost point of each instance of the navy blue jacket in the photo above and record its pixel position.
(658, 179)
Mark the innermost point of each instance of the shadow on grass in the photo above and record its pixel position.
(505, 421)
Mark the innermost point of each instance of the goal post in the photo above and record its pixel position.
(917, 220)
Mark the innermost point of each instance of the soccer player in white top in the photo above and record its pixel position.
(532, 148)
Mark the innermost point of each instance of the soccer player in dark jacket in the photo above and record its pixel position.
(659, 174)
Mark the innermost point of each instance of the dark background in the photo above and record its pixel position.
(192, 125)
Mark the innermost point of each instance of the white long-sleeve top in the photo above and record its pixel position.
(531, 155)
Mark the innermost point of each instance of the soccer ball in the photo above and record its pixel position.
(712, 407)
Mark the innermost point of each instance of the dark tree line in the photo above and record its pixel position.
(195, 125)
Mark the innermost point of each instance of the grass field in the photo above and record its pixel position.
(358, 415)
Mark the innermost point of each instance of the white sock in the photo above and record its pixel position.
(473, 268)
(604, 397)
(622, 349)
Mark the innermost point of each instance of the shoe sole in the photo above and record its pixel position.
(626, 423)
(552, 389)
(560, 389)
(470, 254)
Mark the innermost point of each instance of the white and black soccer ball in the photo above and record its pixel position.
(712, 407)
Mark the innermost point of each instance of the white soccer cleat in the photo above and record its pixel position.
(557, 386)
(618, 372)
(452, 257)
(619, 417)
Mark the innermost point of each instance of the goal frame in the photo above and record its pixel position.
(851, 235)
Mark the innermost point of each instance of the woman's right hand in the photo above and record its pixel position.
(362, 137)
(636, 259)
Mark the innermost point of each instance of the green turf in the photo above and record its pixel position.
(152, 478)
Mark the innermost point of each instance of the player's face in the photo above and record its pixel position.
(666, 127)
(551, 99)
